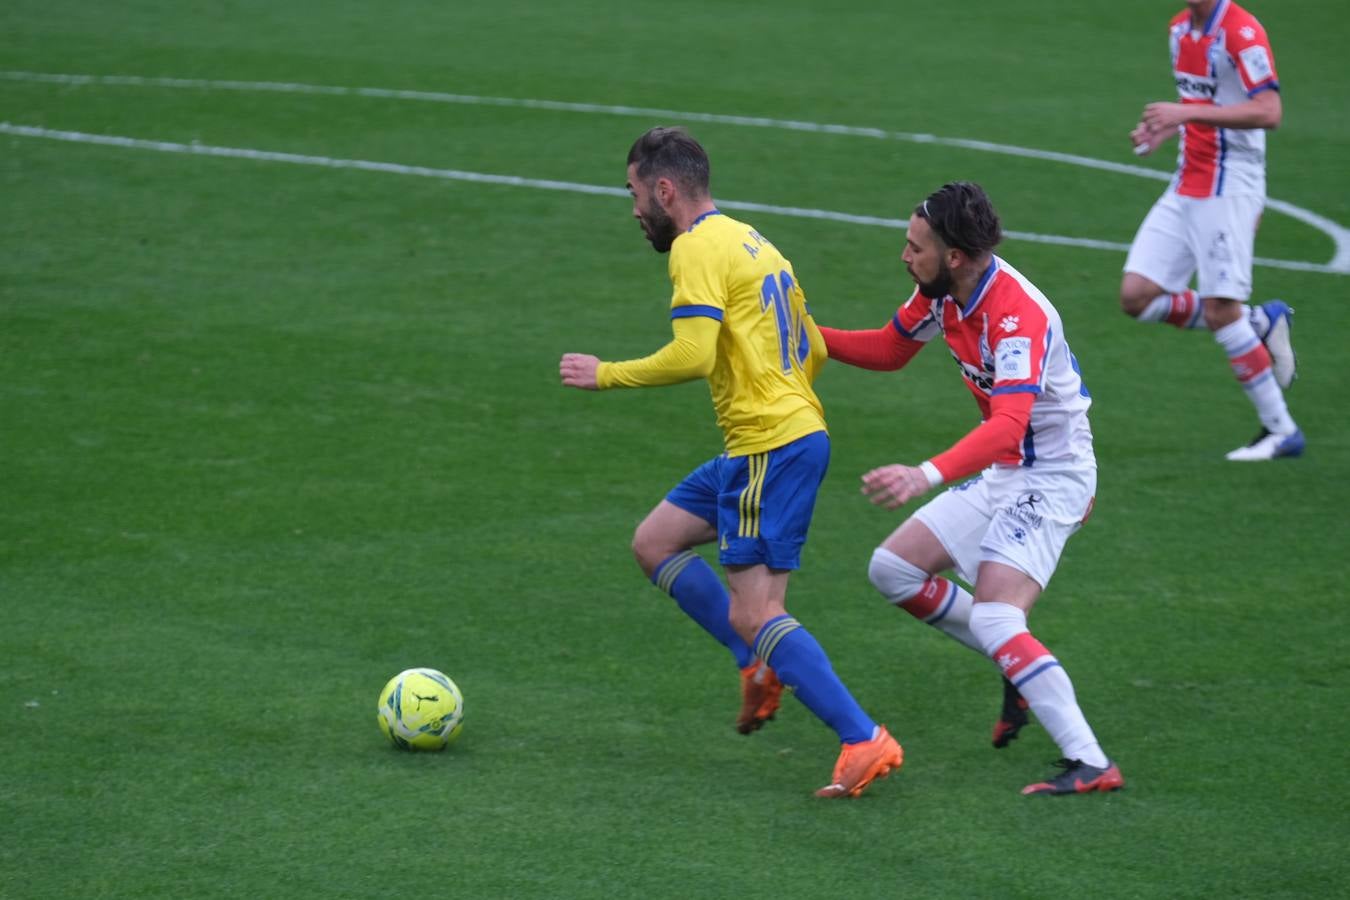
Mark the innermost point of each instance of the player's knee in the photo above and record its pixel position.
(1132, 303)
(649, 550)
(895, 577)
(1136, 293)
(994, 624)
(745, 622)
(1220, 313)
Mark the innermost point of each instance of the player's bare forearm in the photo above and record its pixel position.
(1265, 110)
(894, 485)
(578, 371)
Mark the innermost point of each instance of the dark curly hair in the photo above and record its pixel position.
(961, 215)
(672, 153)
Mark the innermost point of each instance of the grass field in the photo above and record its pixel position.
(271, 431)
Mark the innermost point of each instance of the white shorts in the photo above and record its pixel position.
(1211, 237)
(1021, 517)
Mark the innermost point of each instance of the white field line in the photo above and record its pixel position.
(1339, 264)
(198, 149)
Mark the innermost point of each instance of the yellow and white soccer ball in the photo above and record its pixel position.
(421, 709)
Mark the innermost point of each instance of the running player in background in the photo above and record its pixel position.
(1004, 529)
(1206, 221)
(740, 321)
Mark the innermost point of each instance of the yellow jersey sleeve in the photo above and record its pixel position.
(690, 355)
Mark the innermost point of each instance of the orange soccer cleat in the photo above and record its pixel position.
(760, 694)
(860, 763)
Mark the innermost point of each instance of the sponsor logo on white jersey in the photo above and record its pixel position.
(1196, 87)
(1014, 359)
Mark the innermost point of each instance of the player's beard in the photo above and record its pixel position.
(659, 228)
(940, 286)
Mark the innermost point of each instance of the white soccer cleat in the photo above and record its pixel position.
(1269, 446)
(1276, 336)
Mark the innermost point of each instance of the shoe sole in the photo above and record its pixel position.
(1281, 346)
(1093, 788)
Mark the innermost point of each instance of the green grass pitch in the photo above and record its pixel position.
(272, 432)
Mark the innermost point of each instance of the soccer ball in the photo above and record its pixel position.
(420, 709)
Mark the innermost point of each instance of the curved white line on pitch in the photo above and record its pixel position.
(1340, 236)
(198, 149)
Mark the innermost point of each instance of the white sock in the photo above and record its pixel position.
(1002, 631)
(1251, 365)
(1184, 310)
(933, 600)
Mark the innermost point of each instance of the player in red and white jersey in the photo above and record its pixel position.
(1204, 225)
(1002, 531)
(1008, 340)
(1225, 63)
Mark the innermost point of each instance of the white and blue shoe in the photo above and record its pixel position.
(1270, 446)
(1274, 332)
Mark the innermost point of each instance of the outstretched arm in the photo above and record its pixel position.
(689, 355)
(881, 349)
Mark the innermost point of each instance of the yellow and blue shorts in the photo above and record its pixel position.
(761, 504)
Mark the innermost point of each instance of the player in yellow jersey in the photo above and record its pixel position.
(740, 320)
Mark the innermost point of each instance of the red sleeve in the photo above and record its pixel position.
(994, 437)
(881, 349)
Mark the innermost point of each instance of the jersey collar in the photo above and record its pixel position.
(711, 212)
(1216, 16)
(981, 288)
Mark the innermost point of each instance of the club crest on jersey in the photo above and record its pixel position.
(1009, 324)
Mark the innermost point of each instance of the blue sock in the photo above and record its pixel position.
(802, 665)
(699, 592)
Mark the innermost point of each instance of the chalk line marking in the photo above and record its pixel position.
(198, 149)
(1339, 264)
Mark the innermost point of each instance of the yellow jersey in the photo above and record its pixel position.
(768, 347)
